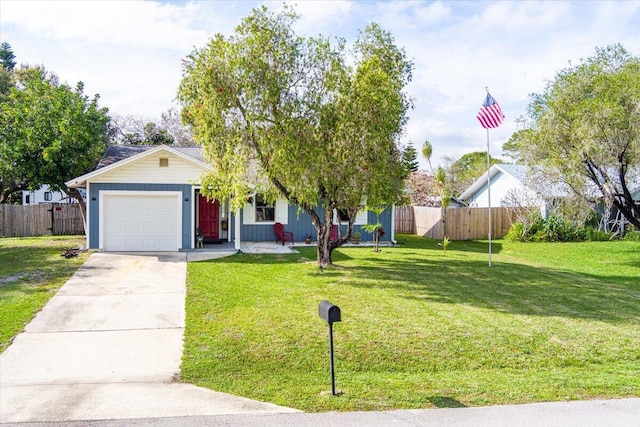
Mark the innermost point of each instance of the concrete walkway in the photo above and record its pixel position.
(108, 345)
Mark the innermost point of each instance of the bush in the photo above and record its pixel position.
(633, 236)
(597, 235)
(554, 229)
(516, 232)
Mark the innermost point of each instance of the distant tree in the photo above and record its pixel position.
(410, 158)
(137, 130)
(422, 190)
(464, 171)
(7, 57)
(49, 134)
(155, 135)
(171, 122)
(585, 128)
(320, 123)
(427, 152)
(6, 71)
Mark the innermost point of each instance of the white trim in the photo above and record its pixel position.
(177, 194)
(280, 212)
(194, 221)
(237, 228)
(79, 181)
(362, 217)
(87, 204)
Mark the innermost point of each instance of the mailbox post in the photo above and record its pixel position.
(330, 313)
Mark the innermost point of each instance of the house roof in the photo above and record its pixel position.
(522, 173)
(517, 171)
(118, 156)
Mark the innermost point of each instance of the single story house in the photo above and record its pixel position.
(147, 198)
(511, 187)
(44, 194)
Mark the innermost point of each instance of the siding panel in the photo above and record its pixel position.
(148, 170)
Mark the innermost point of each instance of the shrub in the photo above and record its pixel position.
(516, 233)
(632, 236)
(554, 229)
(597, 235)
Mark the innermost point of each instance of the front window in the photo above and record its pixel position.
(47, 196)
(343, 215)
(264, 211)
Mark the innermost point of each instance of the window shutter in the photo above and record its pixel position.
(282, 210)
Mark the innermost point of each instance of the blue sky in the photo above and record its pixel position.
(129, 52)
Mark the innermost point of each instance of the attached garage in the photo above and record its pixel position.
(140, 221)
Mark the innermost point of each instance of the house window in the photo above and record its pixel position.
(264, 211)
(341, 214)
(27, 199)
(47, 196)
(164, 163)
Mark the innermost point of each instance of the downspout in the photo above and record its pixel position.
(393, 224)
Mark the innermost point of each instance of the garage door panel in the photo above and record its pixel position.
(140, 222)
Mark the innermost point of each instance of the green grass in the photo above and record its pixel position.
(421, 328)
(31, 271)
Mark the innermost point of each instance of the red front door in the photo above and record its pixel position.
(208, 217)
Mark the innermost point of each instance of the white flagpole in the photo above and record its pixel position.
(489, 193)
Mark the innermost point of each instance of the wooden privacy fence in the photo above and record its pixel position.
(404, 220)
(455, 223)
(40, 220)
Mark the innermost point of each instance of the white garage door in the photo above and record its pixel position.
(147, 221)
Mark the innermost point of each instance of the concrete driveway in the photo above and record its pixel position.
(108, 345)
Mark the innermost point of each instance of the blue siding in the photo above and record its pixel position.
(94, 201)
(300, 225)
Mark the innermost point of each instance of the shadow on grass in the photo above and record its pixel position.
(505, 287)
(445, 402)
(472, 246)
(418, 273)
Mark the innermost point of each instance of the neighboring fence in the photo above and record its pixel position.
(404, 220)
(40, 220)
(456, 224)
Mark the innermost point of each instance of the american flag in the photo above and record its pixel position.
(490, 114)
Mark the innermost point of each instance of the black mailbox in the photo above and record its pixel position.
(328, 311)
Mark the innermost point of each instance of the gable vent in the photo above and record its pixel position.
(164, 163)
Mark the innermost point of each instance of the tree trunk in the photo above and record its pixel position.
(323, 232)
(325, 248)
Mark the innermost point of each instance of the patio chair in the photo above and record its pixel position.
(281, 235)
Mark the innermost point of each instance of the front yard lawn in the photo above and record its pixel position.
(31, 271)
(421, 328)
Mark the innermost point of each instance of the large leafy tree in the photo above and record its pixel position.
(585, 127)
(320, 124)
(49, 133)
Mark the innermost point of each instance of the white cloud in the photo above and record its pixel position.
(130, 52)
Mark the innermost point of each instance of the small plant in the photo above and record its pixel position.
(355, 237)
(445, 243)
(308, 238)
